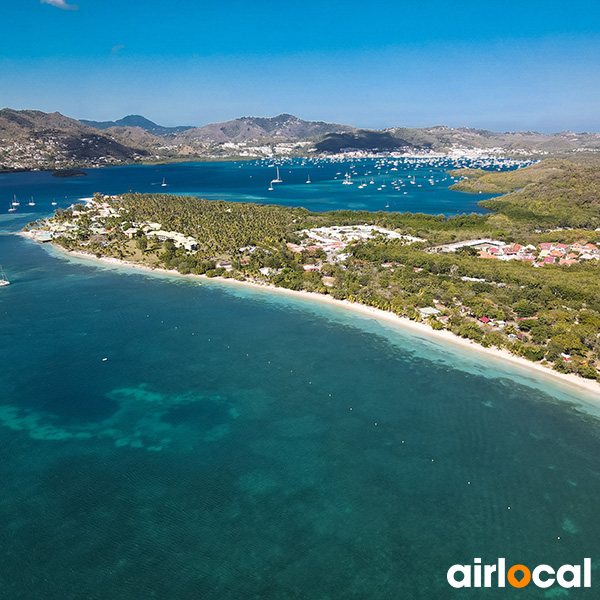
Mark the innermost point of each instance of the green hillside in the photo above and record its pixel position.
(552, 193)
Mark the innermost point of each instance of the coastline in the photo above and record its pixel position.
(572, 382)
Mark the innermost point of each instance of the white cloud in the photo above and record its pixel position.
(61, 4)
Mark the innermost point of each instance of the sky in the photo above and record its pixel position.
(501, 65)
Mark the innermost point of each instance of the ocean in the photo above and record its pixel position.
(165, 439)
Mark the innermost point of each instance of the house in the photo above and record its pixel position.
(224, 264)
(429, 311)
(485, 320)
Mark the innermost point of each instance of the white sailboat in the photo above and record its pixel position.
(278, 179)
(15, 202)
(3, 279)
(54, 202)
(163, 184)
(31, 202)
(347, 181)
(308, 180)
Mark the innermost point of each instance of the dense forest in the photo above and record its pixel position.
(552, 193)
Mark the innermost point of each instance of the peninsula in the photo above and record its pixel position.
(500, 280)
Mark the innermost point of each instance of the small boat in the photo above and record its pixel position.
(3, 279)
(163, 184)
(15, 202)
(277, 180)
(31, 202)
(308, 180)
(54, 202)
(11, 208)
(347, 181)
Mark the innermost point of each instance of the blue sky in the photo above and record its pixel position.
(501, 66)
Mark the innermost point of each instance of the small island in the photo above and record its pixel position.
(69, 173)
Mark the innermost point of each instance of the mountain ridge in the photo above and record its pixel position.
(32, 139)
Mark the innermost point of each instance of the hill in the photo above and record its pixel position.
(136, 121)
(364, 139)
(519, 143)
(33, 139)
(281, 127)
(551, 194)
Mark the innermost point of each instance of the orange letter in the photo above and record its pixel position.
(514, 581)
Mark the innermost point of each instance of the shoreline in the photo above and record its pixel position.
(572, 382)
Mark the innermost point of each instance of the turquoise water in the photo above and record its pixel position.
(237, 443)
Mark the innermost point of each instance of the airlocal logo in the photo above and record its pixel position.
(519, 576)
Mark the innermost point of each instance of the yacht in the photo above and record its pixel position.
(163, 184)
(31, 202)
(15, 202)
(347, 181)
(308, 180)
(278, 179)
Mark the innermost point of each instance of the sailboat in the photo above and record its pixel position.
(278, 180)
(347, 181)
(308, 180)
(163, 184)
(3, 280)
(53, 201)
(15, 202)
(31, 202)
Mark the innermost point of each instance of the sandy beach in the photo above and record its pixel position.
(574, 383)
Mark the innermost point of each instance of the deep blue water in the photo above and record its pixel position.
(238, 443)
(250, 182)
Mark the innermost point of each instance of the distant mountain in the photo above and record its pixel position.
(281, 127)
(443, 139)
(33, 139)
(136, 121)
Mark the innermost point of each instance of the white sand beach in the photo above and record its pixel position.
(575, 383)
